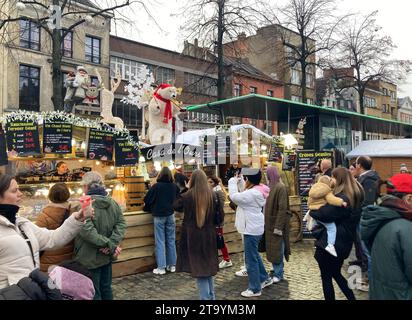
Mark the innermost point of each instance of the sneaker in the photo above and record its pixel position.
(159, 271)
(241, 273)
(331, 249)
(267, 282)
(249, 293)
(171, 269)
(225, 264)
(276, 279)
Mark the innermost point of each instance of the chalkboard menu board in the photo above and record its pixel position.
(3, 151)
(289, 160)
(100, 145)
(307, 168)
(209, 151)
(57, 137)
(126, 154)
(23, 138)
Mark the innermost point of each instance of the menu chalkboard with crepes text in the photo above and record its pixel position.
(100, 145)
(3, 148)
(57, 137)
(23, 138)
(307, 168)
(126, 154)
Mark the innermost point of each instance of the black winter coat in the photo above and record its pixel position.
(370, 183)
(346, 220)
(159, 199)
(33, 287)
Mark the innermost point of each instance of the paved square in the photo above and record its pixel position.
(302, 282)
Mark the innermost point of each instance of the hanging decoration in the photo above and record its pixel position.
(38, 117)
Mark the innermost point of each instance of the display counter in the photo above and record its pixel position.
(138, 245)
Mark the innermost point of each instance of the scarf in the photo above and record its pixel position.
(168, 115)
(9, 211)
(398, 205)
(97, 191)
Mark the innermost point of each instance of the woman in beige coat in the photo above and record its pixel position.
(21, 240)
(277, 218)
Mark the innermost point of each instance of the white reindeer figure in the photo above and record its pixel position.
(108, 99)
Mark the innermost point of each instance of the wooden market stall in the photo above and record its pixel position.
(387, 155)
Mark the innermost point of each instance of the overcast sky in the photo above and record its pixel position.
(394, 16)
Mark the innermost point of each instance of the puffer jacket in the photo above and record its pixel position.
(51, 218)
(321, 194)
(250, 219)
(105, 230)
(389, 235)
(16, 260)
(34, 287)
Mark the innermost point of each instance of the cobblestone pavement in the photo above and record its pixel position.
(302, 282)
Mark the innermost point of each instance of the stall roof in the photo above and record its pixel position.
(401, 148)
(193, 137)
(261, 107)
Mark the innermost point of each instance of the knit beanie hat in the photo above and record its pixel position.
(403, 168)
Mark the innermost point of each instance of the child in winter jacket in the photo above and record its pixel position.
(319, 195)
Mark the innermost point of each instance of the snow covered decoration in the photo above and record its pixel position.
(139, 88)
(38, 117)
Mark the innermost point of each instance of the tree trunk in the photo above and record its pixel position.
(303, 82)
(57, 76)
(220, 64)
(362, 111)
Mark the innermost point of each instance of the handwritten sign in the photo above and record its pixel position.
(3, 152)
(126, 154)
(23, 138)
(57, 137)
(100, 145)
(307, 168)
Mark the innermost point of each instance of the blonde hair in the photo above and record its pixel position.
(346, 184)
(202, 195)
(325, 180)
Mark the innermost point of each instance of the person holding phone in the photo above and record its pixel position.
(21, 240)
(97, 244)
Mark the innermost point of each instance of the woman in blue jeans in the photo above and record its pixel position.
(159, 201)
(197, 252)
(250, 222)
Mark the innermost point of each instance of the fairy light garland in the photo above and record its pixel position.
(39, 117)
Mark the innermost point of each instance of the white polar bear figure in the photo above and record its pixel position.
(160, 113)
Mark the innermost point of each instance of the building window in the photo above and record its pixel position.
(309, 101)
(393, 95)
(93, 49)
(237, 90)
(269, 93)
(370, 102)
(200, 84)
(295, 79)
(253, 90)
(295, 98)
(29, 88)
(29, 35)
(67, 45)
(131, 115)
(309, 80)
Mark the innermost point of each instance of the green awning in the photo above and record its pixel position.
(261, 107)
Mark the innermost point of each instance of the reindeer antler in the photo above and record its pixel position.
(99, 77)
(115, 82)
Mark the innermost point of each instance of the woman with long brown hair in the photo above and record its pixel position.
(346, 220)
(197, 251)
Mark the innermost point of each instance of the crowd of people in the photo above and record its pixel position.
(74, 245)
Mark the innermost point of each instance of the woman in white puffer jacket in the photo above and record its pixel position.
(250, 222)
(21, 240)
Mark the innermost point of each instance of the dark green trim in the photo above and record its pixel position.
(329, 110)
